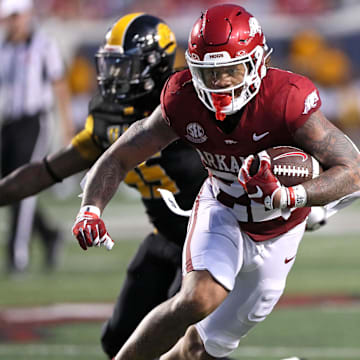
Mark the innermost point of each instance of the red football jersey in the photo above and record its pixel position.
(284, 103)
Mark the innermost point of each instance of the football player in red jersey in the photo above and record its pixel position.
(244, 230)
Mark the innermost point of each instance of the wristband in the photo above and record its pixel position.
(300, 196)
(90, 208)
(51, 172)
(293, 197)
(283, 198)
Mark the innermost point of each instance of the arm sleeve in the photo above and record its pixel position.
(302, 101)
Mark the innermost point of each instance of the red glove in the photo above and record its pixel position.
(90, 230)
(263, 185)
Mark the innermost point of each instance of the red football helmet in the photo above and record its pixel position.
(226, 38)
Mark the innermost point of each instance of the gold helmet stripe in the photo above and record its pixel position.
(167, 39)
(116, 36)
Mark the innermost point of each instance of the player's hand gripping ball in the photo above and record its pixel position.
(278, 168)
(258, 180)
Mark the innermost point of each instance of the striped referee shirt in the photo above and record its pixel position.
(27, 71)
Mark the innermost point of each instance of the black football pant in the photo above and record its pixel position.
(153, 276)
(24, 140)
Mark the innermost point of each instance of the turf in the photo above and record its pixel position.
(323, 333)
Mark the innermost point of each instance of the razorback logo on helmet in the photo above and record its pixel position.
(255, 27)
(195, 133)
(310, 102)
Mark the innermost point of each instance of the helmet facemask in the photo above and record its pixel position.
(228, 100)
(121, 75)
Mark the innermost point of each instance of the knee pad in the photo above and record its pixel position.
(216, 347)
(264, 305)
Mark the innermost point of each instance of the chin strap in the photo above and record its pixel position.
(220, 101)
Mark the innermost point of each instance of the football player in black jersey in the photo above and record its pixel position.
(132, 66)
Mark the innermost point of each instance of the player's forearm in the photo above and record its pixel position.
(337, 154)
(35, 177)
(25, 181)
(331, 185)
(143, 139)
(103, 181)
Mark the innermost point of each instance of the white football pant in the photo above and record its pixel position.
(254, 272)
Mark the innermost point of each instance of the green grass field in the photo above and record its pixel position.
(327, 265)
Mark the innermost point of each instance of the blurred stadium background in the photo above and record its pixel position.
(58, 315)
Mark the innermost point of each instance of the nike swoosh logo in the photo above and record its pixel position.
(287, 260)
(258, 193)
(259, 137)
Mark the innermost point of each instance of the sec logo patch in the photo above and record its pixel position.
(195, 133)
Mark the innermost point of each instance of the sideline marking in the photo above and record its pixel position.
(68, 312)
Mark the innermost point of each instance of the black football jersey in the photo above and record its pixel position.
(177, 168)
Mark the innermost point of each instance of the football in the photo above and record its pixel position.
(290, 165)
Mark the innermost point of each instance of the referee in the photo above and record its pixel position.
(31, 73)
